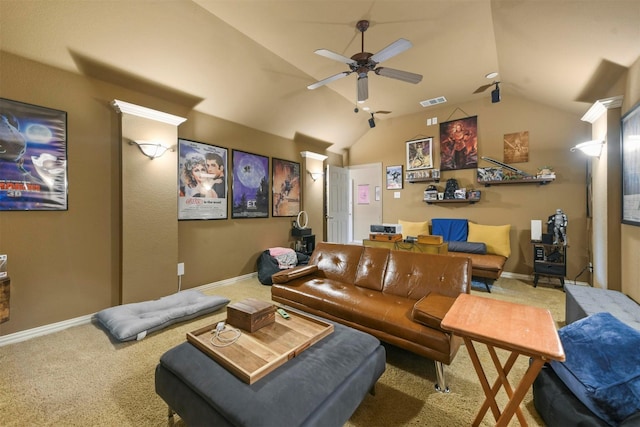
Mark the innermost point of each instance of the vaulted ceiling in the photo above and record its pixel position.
(249, 61)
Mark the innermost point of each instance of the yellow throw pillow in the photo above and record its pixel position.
(496, 237)
(414, 229)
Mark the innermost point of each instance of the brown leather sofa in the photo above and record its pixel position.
(399, 297)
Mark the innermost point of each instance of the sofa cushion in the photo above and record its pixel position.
(602, 366)
(372, 267)
(414, 229)
(451, 229)
(496, 237)
(336, 261)
(431, 309)
(468, 247)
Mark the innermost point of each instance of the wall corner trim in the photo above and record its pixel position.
(600, 106)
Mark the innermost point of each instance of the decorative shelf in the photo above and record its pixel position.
(416, 180)
(540, 181)
(470, 201)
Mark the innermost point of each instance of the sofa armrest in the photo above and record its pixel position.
(285, 276)
(431, 309)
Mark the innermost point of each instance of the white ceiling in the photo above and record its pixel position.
(249, 61)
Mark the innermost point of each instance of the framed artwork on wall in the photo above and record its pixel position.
(516, 147)
(459, 144)
(631, 166)
(202, 181)
(420, 154)
(250, 187)
(286, 188)
(394, 177)
(33, 157)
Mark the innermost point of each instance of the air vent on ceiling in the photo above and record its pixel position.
(433, 101)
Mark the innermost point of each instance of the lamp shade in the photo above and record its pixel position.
(590, 148)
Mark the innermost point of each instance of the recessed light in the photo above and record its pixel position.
(492, 75)
(366, 108)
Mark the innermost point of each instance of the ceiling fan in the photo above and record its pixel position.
(363, 62)
(495, 93)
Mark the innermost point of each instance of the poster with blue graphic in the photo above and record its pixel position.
(250, 189)
(33, 157)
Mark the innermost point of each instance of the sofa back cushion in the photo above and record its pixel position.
(414, 229)
(414, 274)
(336, 261)
(496, 237)
(373, 264)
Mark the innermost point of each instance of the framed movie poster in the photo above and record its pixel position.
(394, 177)
(250, 188)
(420, 154)
(459, 144)
(286, 188)
(631, 167)
(202, 181)
(33, 157)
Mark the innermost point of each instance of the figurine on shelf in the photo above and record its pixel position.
(559, 222)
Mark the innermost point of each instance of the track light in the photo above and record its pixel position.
(495, 94)
(372, 122)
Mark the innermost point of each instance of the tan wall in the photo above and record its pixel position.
(630, 240)
(67, 264)
(551, 134)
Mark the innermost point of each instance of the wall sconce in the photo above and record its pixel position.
(590, 148)
(315, 175)
(152, 149)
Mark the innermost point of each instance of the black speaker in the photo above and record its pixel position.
(372, 123)
(495, 95)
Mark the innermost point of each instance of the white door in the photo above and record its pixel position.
(367, 206)
(337, 204)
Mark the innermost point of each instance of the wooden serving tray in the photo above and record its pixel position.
(256, 354)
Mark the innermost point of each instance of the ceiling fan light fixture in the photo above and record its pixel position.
(363, 88)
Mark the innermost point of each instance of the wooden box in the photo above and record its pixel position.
(251, 314)
(386, 237)
(430, 239)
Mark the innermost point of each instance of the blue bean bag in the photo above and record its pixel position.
(602, 367)
(134, 321)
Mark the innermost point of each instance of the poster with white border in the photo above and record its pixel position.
(202, 181)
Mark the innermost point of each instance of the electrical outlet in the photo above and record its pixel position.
(590, 267)
(181, 269)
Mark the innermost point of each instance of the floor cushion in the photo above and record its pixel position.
(602, 367)
(135, 320)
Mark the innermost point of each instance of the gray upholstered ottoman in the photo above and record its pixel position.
(583, 301)
(322, 386)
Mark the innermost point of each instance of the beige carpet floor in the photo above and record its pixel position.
(81, 377)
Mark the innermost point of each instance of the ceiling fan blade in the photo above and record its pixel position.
(363, 88)
(335, 56)
(393, 49)
(382, 112)
(483, 88)
(328, 80)
(405, 76)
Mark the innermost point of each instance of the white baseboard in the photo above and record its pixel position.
(82, 320)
